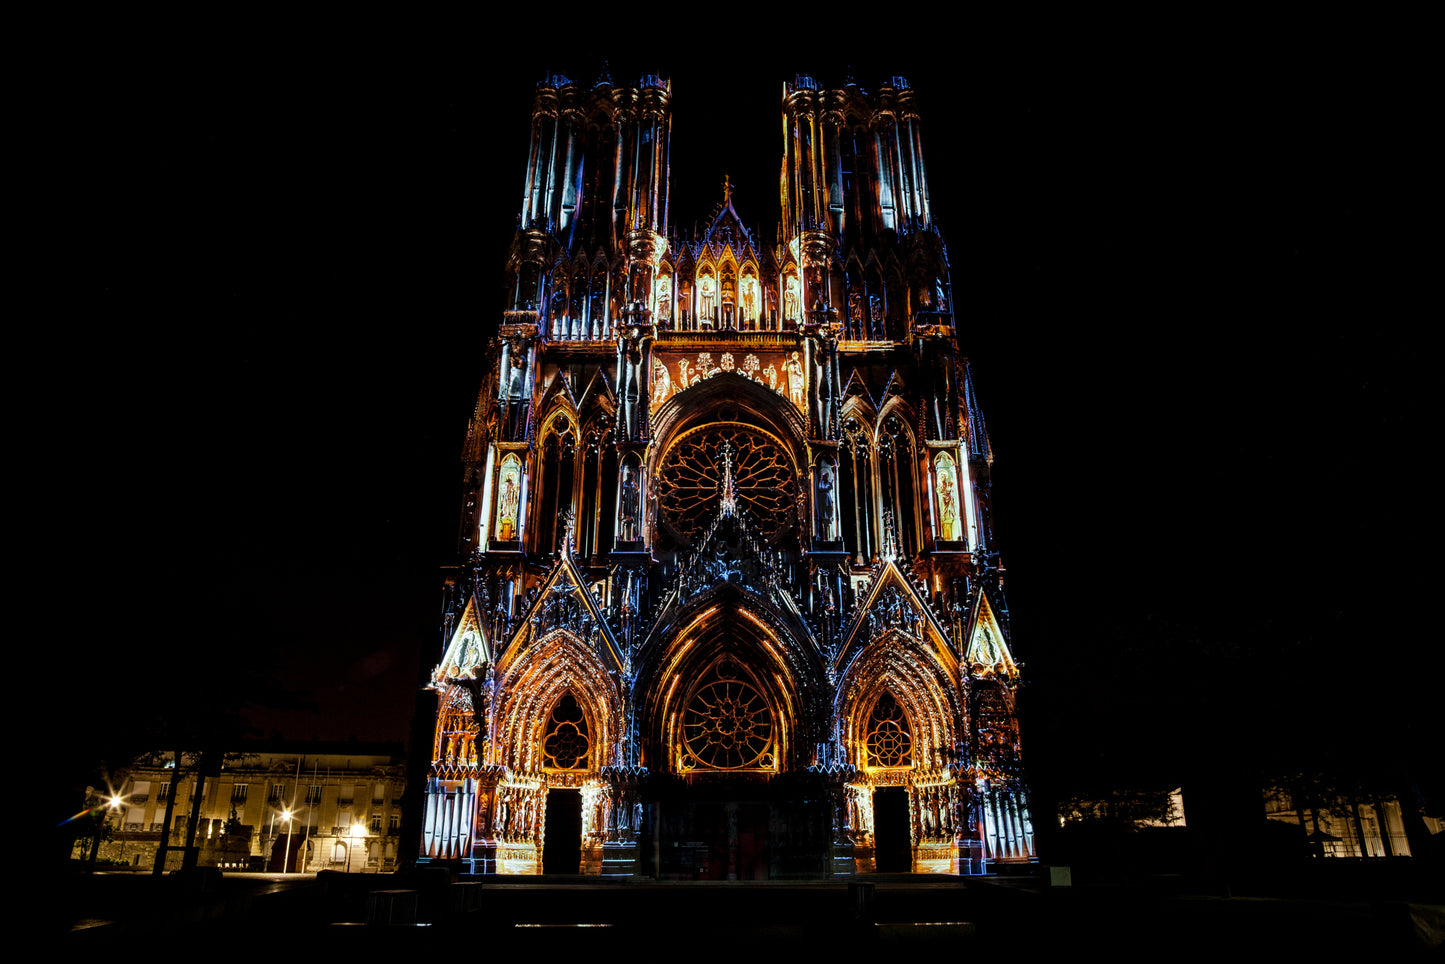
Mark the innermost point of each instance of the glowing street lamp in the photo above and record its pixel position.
(286, 819)
(358, 834)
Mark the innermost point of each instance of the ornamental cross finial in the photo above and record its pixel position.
(728, 488)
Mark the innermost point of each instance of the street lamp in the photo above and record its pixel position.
(286, 819)
(358, 834)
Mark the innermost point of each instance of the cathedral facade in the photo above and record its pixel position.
(730, 604)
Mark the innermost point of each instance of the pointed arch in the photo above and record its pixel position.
(856, 466)
(725, 650)
(598, 475)
(534, 681)
(898, 476)
(910, 670)
(556, 485)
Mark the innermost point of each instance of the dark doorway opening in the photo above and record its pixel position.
(562, 839)
(893, 852)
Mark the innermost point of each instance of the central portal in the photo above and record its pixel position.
(739, 829)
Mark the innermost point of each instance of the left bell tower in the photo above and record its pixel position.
(553, 534)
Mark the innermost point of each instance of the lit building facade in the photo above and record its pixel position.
(304, 807)
(1345, 827)
(731, 604)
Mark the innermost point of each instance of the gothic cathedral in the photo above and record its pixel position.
(730, 605)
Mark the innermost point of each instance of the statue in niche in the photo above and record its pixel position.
(796, 381)
(875, 313)
(630, 504)
(706, 288)
(750, 299)
(949, 527)
(557, 309)
(825, 501)
(507, 500)
(790, 300)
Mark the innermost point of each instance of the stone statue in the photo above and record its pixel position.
(825, 502)
(796, 380)
(629, 504)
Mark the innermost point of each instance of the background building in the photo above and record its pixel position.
(338, 803)
(731, 604)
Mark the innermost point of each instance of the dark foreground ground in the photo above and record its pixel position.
(1160, 918)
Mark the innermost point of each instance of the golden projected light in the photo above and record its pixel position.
(890, 743)
(692, 473)
(727, 724)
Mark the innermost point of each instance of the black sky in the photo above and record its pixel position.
(1179, 278)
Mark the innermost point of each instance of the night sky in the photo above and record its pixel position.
(1179, 280)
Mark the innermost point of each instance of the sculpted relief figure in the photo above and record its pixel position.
(796, 381)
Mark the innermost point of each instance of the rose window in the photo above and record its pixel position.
(566, 745)
(890, 744)
(692, 471)
(728, 726)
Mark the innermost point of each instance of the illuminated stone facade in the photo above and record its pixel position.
(340, 804)
(731, 605)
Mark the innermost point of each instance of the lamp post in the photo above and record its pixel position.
(113, 805)
(286, 819)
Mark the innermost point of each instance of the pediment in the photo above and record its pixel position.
(987, 653)
(892, 608)
(565, 601)
(470, 650)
